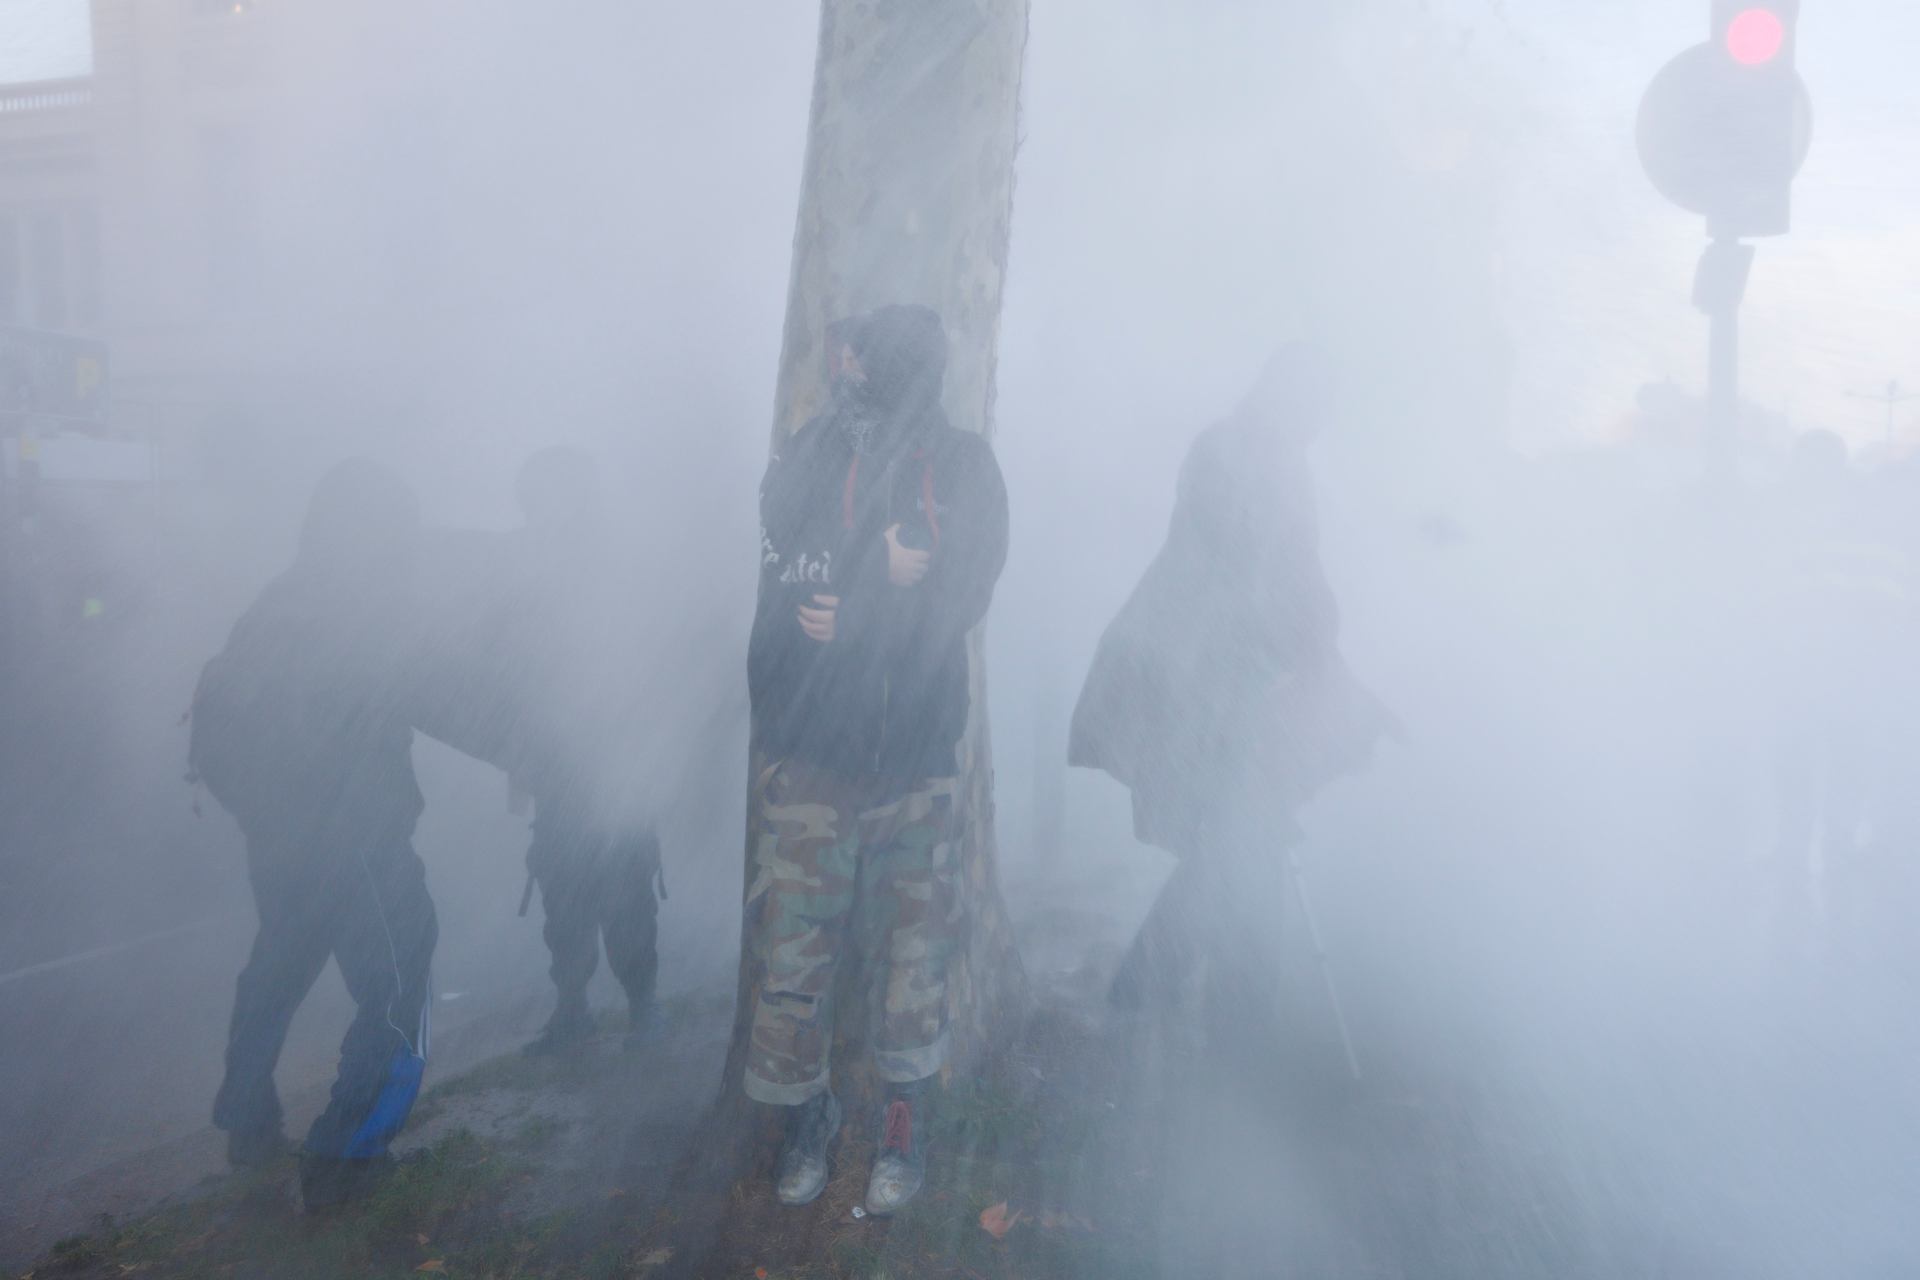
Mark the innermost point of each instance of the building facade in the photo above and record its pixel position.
(49, 207)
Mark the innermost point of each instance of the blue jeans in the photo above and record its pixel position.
(367, 907)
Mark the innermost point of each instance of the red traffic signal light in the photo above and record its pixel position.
(1756, 33)
(1725, 125)
(1755, 37)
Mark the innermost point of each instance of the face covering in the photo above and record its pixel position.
(858, 417)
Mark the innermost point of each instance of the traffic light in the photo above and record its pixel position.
(1756, 35)
(1724, 126)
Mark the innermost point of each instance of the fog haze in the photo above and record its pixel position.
(450, 234)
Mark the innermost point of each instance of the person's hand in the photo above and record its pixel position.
(905, 567)
(817, 622)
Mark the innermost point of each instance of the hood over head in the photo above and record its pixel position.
(903, 352)
(362, 523)
(1295, 394)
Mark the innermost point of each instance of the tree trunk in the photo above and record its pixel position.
(907, 198)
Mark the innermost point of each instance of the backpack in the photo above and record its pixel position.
(237, 738)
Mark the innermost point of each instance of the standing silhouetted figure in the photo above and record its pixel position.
(301, 731)
(596, 865)
(1218, 695)
(531, 654)
(883, 531)
(1842, 631)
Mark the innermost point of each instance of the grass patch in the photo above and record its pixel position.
(251, 1225)
(1041, 1144)
(463, 1205)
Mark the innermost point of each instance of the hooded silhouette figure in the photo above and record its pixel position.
(301, 730)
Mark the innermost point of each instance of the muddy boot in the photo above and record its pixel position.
(800, 1174)
(570, 1024)
(256, 1148)
(900, 1167)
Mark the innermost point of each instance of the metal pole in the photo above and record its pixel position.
(1320, 954)
(9, 648)
(1719, 284)
(1049, 753)
(1723, 390)
(1892, 398)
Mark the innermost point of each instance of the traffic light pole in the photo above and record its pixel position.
(1721, 132)
(1723, 391)
(1718, 288)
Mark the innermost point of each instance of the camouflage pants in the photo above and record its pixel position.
(832, 867)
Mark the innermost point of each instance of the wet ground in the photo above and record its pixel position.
(124, 920)
(1553, 1092)
(1159, 1144)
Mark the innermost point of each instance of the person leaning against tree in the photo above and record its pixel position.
(883, 531)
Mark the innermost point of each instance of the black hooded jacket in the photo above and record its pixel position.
(300, 725)
(888, 696)
(1220, 682)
